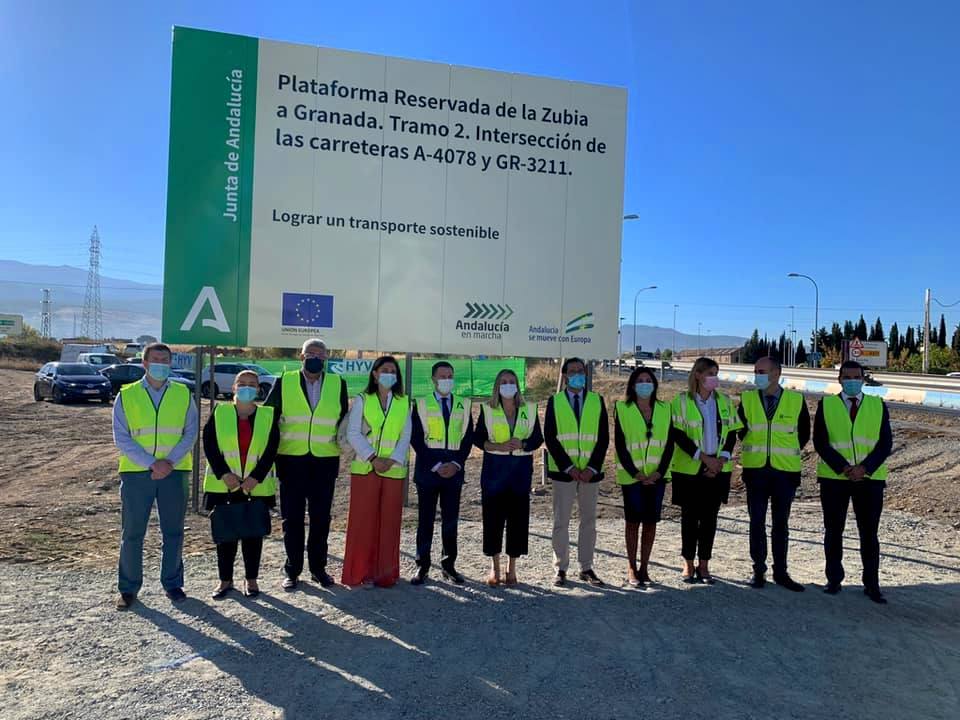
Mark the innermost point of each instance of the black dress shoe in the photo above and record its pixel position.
(785, 581)
(589, 576)
(177, 595)
(560, 579)
(451, 574)
(758, 581)
(875, 595)
(832, 588)
(125, 600)
(419, 577)
(289, 583)
(323, 578)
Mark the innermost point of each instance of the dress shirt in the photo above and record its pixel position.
(358, 439)
(848, 400)
(313, 390)
(136, 452)
(711, 440)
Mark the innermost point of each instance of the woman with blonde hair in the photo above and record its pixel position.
(704, 434)
(508, 431)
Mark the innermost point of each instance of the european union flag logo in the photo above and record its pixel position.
(307, 310)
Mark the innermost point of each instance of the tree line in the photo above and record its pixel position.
(904, 348)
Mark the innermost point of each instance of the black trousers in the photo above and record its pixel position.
(508, 510)
(448, 495)
(698, 526)
(227, 555)
(867, 497)
(776, 490)
(306, 486)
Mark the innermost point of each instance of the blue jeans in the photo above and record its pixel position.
(138, 491)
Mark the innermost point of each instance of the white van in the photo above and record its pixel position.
(99, 360)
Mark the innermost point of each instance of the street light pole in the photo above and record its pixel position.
(675, 331)
(816, 310)
(652, 287)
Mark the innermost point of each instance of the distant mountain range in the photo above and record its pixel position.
(130, 308)
(652, 338)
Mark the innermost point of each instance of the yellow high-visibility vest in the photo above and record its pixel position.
(303, 430)
(775, 440)
(687, 417)
(498, 429)
(853, 440)
(225, 424)
(578, 440)
(436, 435)
(156, 429)
(646, 452)
(384, 434)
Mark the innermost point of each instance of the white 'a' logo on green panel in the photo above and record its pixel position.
(218, 322)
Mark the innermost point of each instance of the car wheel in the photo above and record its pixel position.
(265, 389)
(205, 390)
(57, 395)
(36, 393)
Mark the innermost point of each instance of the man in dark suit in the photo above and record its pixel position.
(442, 436)
(311, 404)
(776, 427)
(852, 435)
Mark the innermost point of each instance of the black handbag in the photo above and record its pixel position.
(234, 521)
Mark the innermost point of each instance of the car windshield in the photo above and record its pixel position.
(76, 369)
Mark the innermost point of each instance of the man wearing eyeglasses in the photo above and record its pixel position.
(310, 404)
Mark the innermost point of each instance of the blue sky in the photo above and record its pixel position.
(820, 138)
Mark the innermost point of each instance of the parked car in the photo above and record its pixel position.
(126, 373)
(62, 382)
(953, 374)
(224, 375)
(185, 374)
(98, 360)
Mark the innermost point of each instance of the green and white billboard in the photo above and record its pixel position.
(383, 203)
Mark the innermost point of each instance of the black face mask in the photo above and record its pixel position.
(314, 366)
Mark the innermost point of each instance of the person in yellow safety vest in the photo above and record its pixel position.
(776, 427)
(378, 430)
(155, 424)
(310, 404)
(852, 436)
(508, 432)
(577, 434)
(644, 446)
(442, 438)
(240, 443)
(704, 432)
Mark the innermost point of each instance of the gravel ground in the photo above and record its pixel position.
(442, 651)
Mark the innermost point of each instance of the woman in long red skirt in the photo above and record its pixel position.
(378, 429)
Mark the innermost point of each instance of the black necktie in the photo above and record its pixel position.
(853, 409)
(576, 407)
(771, 403)
(446, 411)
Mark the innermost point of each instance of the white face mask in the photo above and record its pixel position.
(445, 386)
(508, 390)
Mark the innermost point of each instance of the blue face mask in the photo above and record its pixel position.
(761, 380)
(643, 389)
(577, 382)
(387, 380)
(158, 371)
(247, 394)
(852, 388)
